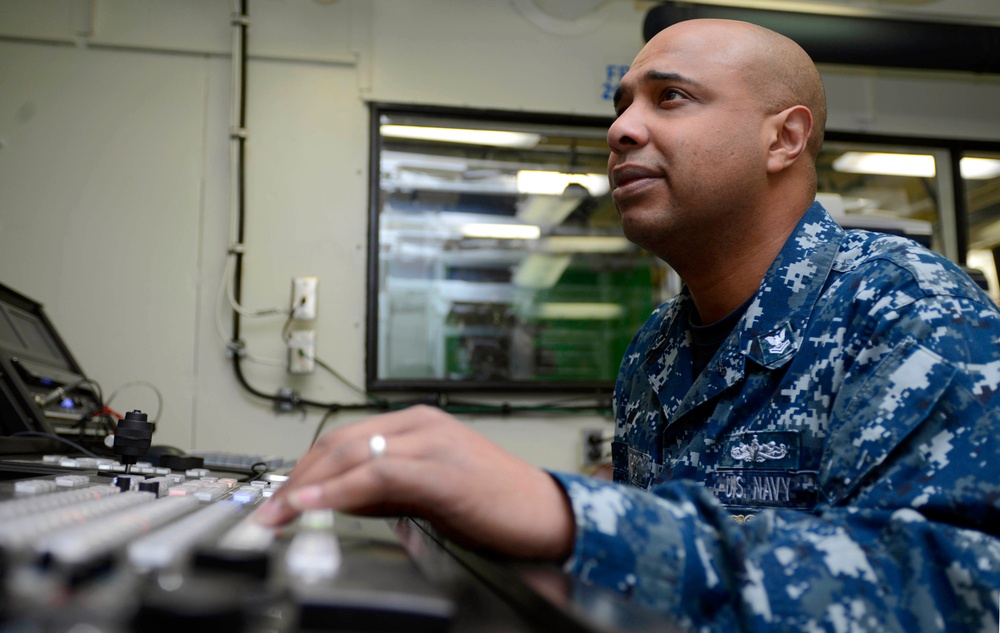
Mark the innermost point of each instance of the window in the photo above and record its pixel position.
(498, 261)
(887, 188)
(944, 194)
(981, 179)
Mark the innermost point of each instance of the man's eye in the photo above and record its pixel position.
(671, 95)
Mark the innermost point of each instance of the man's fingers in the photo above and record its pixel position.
(396, 485)
(348, 465)
(347, 453)
(345, 447)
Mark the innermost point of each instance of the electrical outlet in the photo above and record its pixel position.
(301, 351)
(304, 298)
(596, 447)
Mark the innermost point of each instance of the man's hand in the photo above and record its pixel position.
(436, 468)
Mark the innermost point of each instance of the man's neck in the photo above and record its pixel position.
(715, 299)
(722, 280)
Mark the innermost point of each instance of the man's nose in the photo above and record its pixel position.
(626, 131)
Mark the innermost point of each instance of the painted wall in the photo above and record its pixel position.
(115, 185)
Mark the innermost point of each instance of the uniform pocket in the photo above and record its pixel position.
(619, 460)
(894, 400)
(633, 466)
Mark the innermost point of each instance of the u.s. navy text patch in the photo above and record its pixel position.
(761, 470)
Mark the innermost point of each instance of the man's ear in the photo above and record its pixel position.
(790, 131)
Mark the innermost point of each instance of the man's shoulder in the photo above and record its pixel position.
(861, 248)
(889, 262)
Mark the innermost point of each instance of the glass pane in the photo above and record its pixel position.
(501, 260)
(981, 175)
(888, 189)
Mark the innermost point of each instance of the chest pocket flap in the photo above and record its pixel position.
(891, 404)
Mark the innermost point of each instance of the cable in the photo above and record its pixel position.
(225, 292)
(293, 400)
(322, 423)
(246, 311)
(134, 383)
(57, 394)
(96, 414)
(237, 215)
(286, 328)
(237, 148)
(259, 469)
(369, 396)
(102, 416)
(61, 439)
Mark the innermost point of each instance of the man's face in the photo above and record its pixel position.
(687, 147)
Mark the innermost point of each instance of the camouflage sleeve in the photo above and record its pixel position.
(904, 538)
(677, 551)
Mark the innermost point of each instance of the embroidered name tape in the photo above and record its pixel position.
(764, 489)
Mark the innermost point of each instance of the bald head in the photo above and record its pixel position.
(784, 75)
(773, 66)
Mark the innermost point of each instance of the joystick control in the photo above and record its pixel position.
(132, 438)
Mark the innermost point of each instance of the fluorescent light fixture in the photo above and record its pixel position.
(498, 138)
(540, 271)
(502, 231)
(584, 244)
(980, 168)
(554, 183)
(915, 165)
(580, 311)
(547, 210)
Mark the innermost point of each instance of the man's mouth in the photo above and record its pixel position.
(628, 179)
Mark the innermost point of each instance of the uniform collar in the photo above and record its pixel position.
(769, 334)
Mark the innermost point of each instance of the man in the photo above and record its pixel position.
(806, 435)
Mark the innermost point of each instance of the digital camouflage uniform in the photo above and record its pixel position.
(835, 467)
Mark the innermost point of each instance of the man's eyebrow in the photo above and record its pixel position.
(657, 76)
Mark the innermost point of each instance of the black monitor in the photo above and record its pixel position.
(42, 387)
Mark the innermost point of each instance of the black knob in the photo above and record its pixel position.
(150, 486)
(132, 437)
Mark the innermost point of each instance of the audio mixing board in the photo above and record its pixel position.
(87, 548)
(90, 545)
